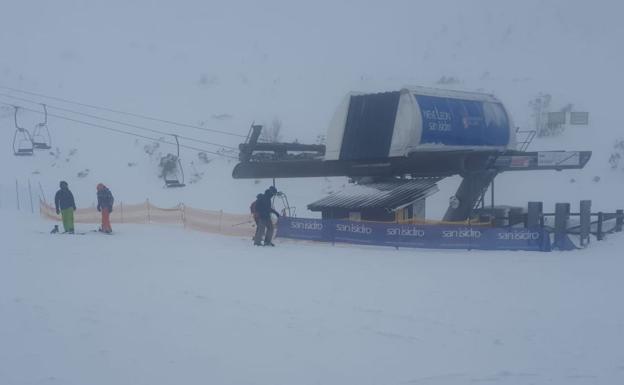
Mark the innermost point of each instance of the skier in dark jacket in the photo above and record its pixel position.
(105, 206)
(65, 205)
(264, 208)
(260, 228)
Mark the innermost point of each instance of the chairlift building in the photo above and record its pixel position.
(386, 201)
(412, 133)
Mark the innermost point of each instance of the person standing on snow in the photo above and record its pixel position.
(264, 207)
(65, 205)
(105, 206)
(256, 217)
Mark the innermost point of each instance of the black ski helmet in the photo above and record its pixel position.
(63, 184)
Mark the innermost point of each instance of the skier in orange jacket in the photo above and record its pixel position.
(105, 206)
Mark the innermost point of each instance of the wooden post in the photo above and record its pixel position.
(585, 222)
(599, 233)
(492, 196)
(32, 206)
(562, 216)
(221, 218)
(17, 194)
(147, 204)
(43, 197)
(534, 215)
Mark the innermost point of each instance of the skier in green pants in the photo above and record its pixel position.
(65, 205)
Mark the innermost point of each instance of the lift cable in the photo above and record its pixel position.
(124, 132)
(119, 122)
(124, 112)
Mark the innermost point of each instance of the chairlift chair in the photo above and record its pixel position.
(22, 141)
(175, 178)
(41, 138)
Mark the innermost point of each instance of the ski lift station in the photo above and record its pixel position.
(384, 201)
(397, 145)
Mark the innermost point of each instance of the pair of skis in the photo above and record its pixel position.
(55, 230)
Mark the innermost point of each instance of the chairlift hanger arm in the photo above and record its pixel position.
(15, 118)
(45, 114)
(18, 144)
(21, 129)
(177, 145)
(181, 170)
(41, 134)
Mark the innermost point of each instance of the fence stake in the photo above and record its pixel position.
(17, 194)
(43, 197)
(121, 211)
(619, 220)
(562, 216)
(585, 222)
(183, 211)
(149, 219)
(599, 234)
(221, 216)
(32, 207)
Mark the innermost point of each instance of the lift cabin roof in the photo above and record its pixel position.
(389, 194)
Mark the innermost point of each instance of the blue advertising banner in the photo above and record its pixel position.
(422, 236)
(302, 228)
(458, 122)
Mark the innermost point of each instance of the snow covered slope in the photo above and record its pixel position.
(161, 305)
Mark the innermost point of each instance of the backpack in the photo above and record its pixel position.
(252, 208)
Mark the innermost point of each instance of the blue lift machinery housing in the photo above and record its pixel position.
(412, 133)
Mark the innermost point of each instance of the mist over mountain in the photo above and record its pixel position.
(224, 65)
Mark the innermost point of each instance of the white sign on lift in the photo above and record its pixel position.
(558, 158)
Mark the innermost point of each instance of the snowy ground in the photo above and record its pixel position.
(162, 305)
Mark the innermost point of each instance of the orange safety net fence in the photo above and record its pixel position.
(209, 221)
